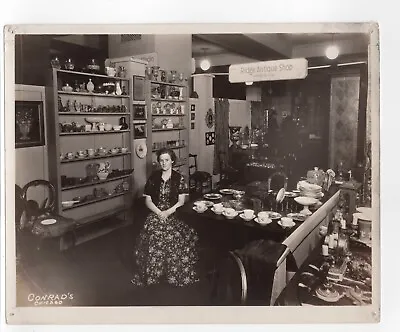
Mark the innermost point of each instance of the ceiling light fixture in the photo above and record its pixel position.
(319, 67)
(205, 63)
(249, 83)
(351, 63)
(332, 51)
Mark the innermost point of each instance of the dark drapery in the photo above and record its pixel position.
(221, 134)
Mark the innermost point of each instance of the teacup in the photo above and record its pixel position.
(248, 214)
(81, 153)
(230, 211)
(200, 205)
(124, 150)
(286, 221)
(88, 127)
(263, 216)
(70, 155)
(101, 127)
(218, 208)
(90, 152)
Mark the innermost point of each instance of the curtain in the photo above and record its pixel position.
(221, 134)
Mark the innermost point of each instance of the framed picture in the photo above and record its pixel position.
(138, 88)
(192, 116)
(193, 108)
(29, 124)
(139, 112)
(192, 125)
(139, 131)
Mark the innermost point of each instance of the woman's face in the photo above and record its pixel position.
(165, 161)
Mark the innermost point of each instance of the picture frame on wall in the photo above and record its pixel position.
(139, 130)
(29, 124)
(192, 116)
(139, 112)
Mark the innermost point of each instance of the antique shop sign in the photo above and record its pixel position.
(151, 58)
(289, 69)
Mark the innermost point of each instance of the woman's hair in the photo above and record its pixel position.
(168, 151)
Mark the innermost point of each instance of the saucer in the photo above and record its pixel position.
(247, 219)
(274, 215)
(212, 196)
(297, 216)
(262, 223)
(213, 210)
(230, 216)
(288, 226)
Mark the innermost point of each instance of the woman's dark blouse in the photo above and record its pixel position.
(177, 186)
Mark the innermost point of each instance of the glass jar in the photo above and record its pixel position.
(55, 63)
(69, 64)
(93, 66)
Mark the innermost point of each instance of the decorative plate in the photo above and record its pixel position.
(210, 118)
(227, 191)
(297, 216)
(212, 196)
(141, 150)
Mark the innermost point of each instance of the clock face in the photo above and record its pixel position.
(210, 118)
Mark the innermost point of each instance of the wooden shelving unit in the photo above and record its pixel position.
(91, 207)
(175, 110)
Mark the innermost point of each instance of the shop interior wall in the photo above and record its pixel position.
(31, 162)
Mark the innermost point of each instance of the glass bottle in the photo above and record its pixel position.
(122, 122)
(90, 85)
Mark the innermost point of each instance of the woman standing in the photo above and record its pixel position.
(166, 247)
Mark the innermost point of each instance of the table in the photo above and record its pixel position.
(294, 244)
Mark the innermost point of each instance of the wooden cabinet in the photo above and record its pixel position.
(83, 133)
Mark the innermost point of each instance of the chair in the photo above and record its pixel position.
(200, 182)
(283, 183)
(228, 174)
(36, 214)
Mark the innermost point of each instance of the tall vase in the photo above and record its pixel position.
(90, 85)
(118, 90)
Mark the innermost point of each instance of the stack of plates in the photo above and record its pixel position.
(310, 190)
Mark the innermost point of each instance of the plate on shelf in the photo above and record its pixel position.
(212, 196)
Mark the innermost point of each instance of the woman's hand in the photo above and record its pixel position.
(163, 215)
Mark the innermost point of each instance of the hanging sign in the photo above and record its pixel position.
(289, 69)
(151, 58)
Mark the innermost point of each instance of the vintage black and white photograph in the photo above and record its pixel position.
(266, 198)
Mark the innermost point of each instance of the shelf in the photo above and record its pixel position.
(88, 184)
(169, 100)
(93, 113)
(168, 129)
(140, 120)
(173, 147)
(168, 114)
(92, 201)
(66, 161)
(94, 75)
(167, 83)
(95, 132)
(101, 216)
(91, 94)
(139, 102)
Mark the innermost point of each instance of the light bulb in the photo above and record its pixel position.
(332, 52)
(205, 64)
(249, 83)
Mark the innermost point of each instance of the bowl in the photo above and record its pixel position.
(102, 175)
(117, 127)
(307, 201)
(108, 126)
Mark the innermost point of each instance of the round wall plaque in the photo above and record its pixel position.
(210, 118)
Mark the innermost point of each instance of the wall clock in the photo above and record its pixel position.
(210, 118)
